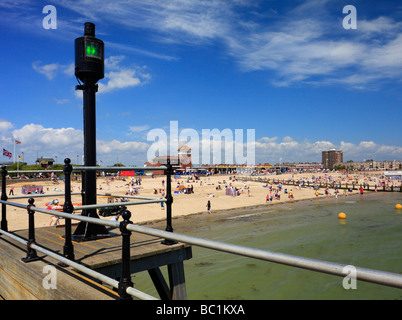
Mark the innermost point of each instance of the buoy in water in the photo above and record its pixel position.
(342, 215)
(398, 206)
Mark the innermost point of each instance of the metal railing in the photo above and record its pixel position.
(125, 286)
(96, 275)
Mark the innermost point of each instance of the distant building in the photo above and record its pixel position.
(6, 163)
(181, 162)
(373, 165)
(46, 163)
(330, 158)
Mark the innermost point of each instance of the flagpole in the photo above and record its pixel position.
(14, 149)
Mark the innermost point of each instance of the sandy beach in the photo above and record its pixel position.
(251, 193)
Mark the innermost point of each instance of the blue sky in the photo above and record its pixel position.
(287, 69)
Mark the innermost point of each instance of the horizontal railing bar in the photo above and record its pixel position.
(88, 271)
(116, 204)
(34, 171)
(115, 195)
(65, 215)
(42, 195)
(89, 168)
(79, 193)
(14, 204)
(369, 275)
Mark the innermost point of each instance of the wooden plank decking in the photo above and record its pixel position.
(103, 255)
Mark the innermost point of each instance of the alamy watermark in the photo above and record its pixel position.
(350, 21)
(349, 282)
(50, 280)
(211, 147)
(50, 21)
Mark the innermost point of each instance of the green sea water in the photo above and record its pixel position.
(370, 237)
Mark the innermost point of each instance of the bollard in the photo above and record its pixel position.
(125, 278)
(31, 254)
(4, 198)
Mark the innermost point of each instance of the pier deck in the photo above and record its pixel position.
(103, 255)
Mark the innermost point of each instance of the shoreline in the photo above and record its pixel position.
(257, 208)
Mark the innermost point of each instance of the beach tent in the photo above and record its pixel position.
(179, 188)
(230, 192)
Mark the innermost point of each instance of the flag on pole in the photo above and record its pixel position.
(7, 153)
(17, 142)
(19, 158)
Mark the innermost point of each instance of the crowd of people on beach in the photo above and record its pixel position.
(234, 189)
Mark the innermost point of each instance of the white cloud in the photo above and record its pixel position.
(52, 69)
(68, 142)
(48, 70)
(48, 139)
(138, 128)
(291, 150)
(114, 146)
(61, 101)
(303, 44)
(120, 77)
(267, 139)
(5, 125)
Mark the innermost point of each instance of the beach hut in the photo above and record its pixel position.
(393, 175)
(32, 189)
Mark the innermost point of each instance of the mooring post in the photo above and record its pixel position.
(68, 248)
(31, 254)
(169, 201)
(125, 277)
(4, 198)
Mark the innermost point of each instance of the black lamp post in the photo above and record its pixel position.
(89, 68)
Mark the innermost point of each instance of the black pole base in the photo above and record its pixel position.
(4, 226)
(168, 242)
(86, 231)
(121, 290)
(31, 256)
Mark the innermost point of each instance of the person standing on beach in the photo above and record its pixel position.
(209, 207)
(11, 191)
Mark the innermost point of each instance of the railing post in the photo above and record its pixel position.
(169, 201)
(4, 198)
(31, 254)
(68, 248)
(125, 277)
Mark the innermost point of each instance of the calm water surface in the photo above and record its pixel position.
(370, 237)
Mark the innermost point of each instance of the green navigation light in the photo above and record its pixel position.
(93, 49)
